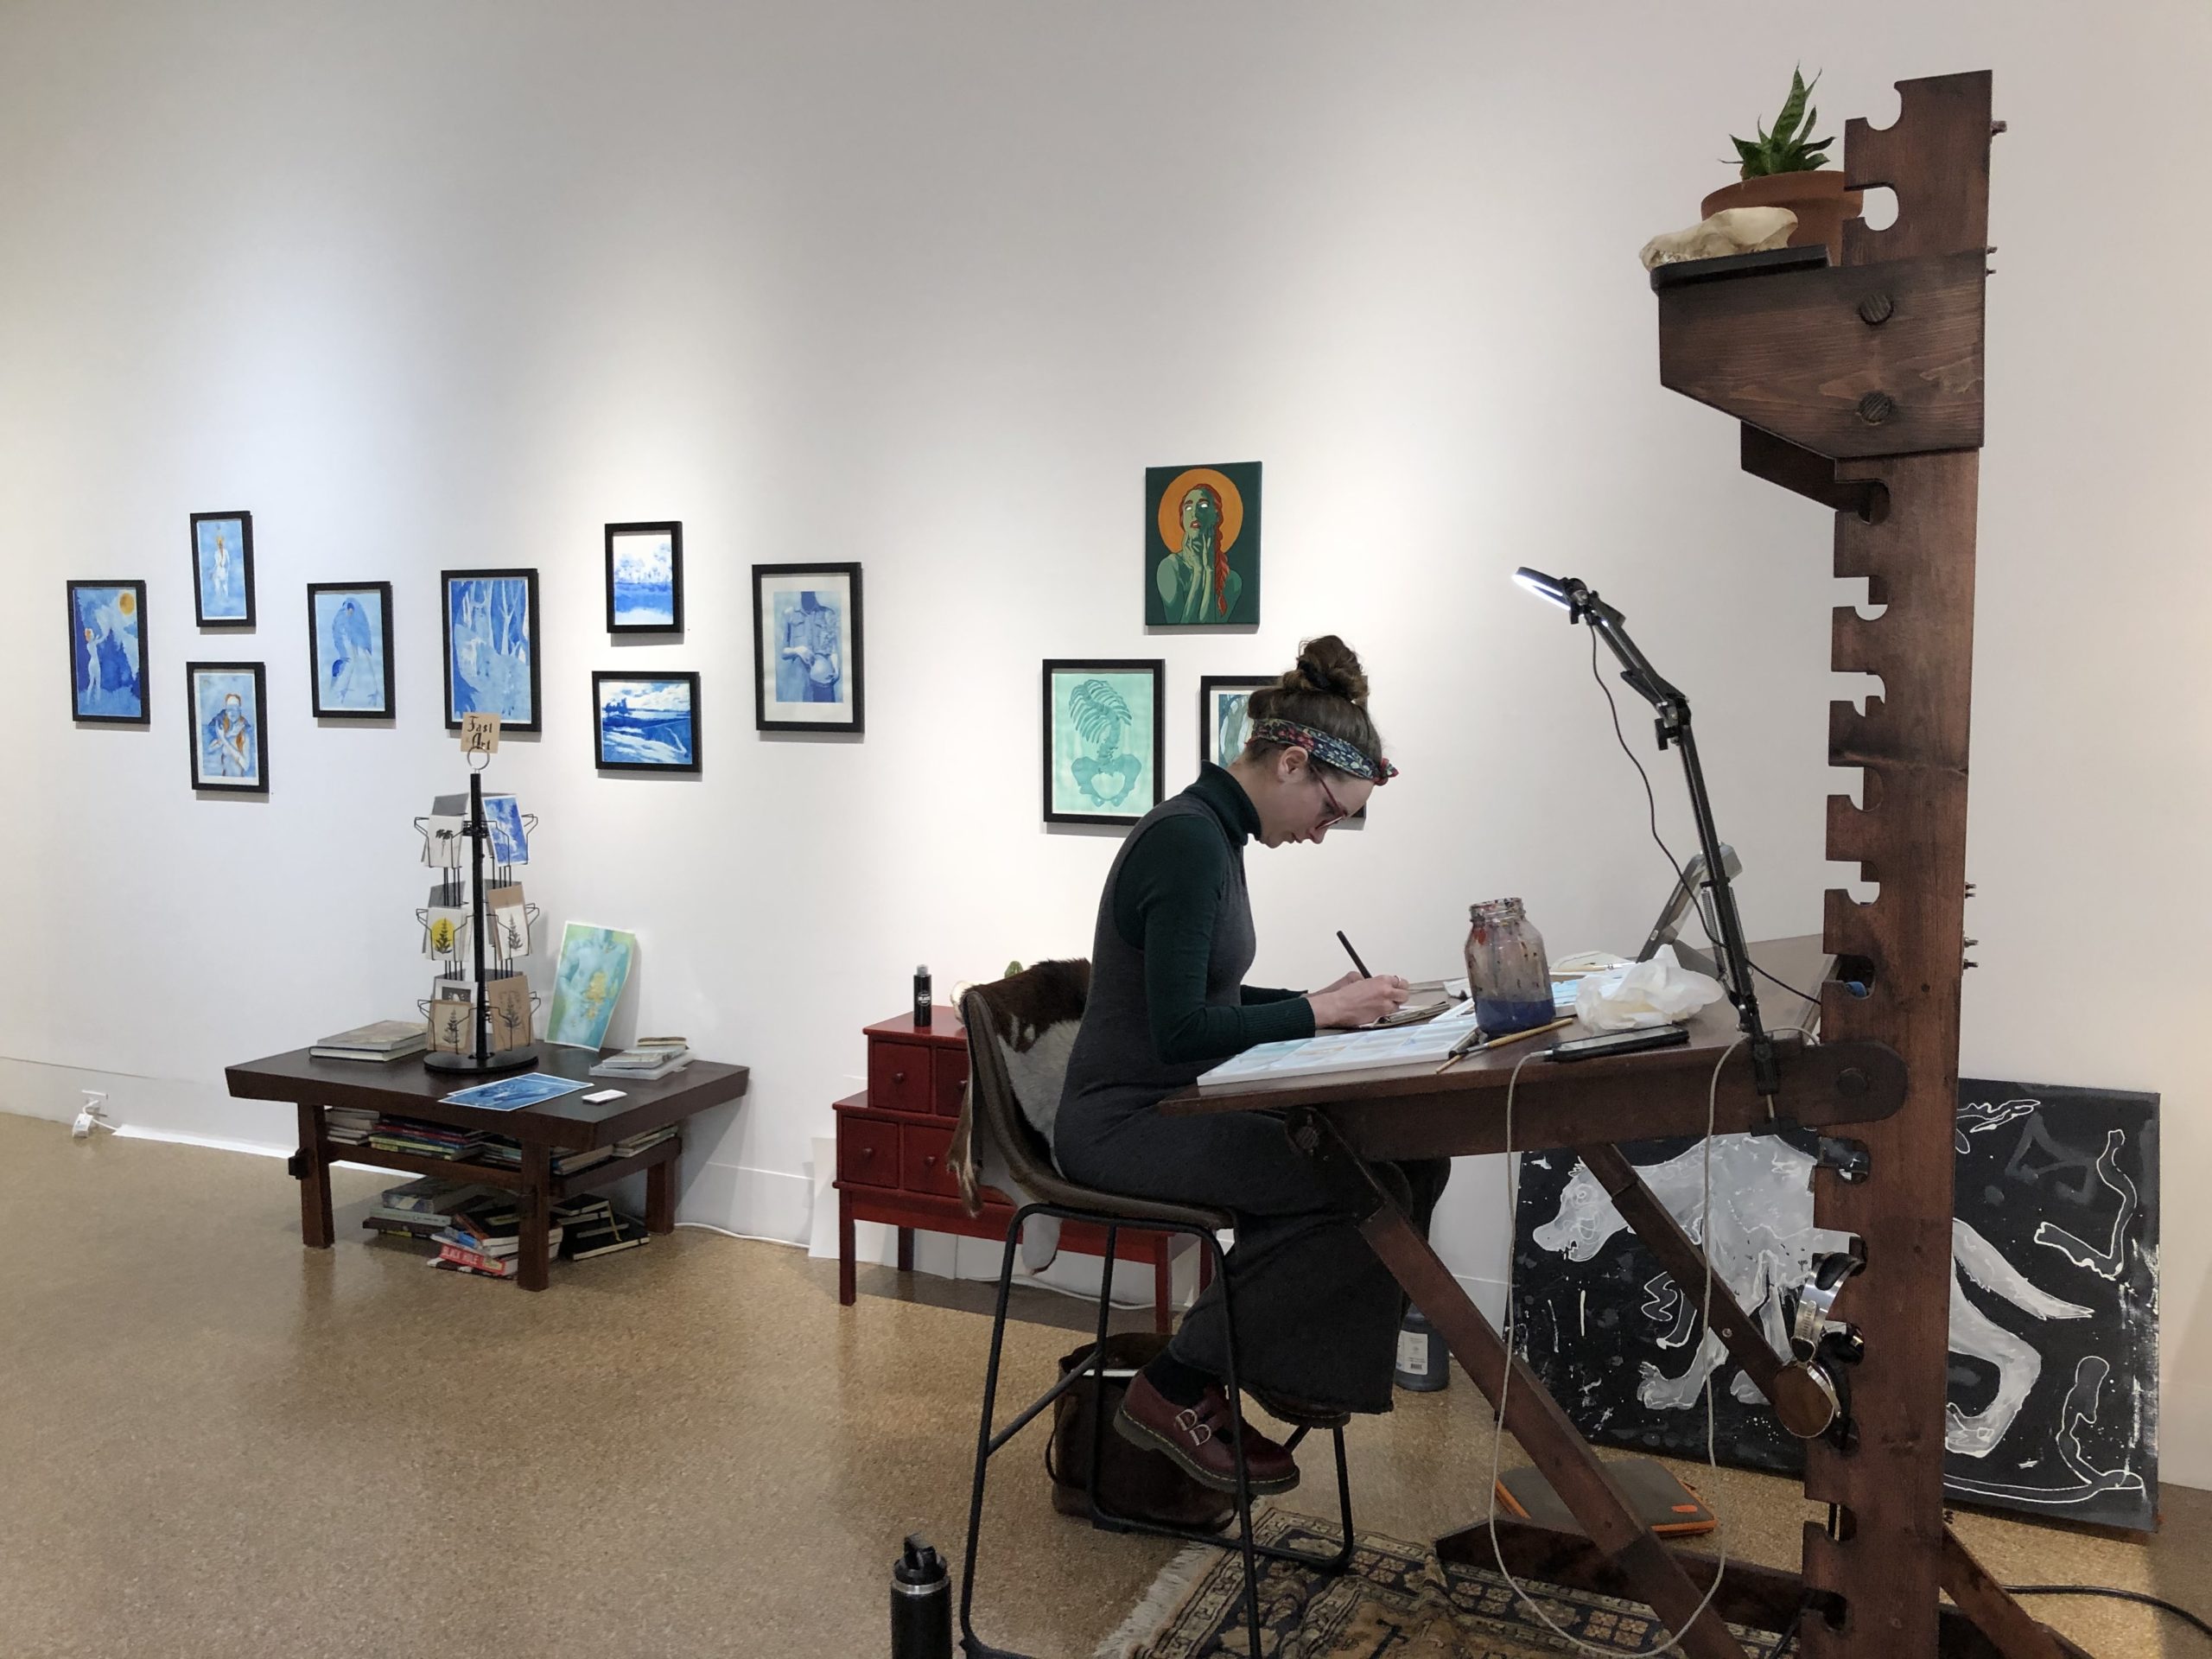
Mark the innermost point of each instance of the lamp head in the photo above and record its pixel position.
(1568, 593)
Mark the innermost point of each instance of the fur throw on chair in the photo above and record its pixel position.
(1031, 1026)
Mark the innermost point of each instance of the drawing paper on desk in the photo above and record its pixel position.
(1342, 1050)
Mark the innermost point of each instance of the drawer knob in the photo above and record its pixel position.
(867, 1152)
(898, 1077)
(930, 1162)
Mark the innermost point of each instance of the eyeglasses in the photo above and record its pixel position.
(1336, 813)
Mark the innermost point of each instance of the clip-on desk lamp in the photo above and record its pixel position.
(1582, 605)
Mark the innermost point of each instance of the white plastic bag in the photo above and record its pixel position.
(1660, 992)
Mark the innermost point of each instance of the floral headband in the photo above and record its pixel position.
(1324, 746)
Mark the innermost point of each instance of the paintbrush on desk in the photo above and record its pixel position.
(1476, 1041)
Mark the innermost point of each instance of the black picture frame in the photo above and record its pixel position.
(1156, 668)
(244, 521)
(674, 530)
(528, 576)
(192, 726)
(1207, 685)
(774, 714)
(383, 591)
(600, 676)
(138, 607)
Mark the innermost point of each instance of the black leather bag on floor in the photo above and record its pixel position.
(1132, 1480)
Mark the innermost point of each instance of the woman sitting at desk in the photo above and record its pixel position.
(1317, 1313)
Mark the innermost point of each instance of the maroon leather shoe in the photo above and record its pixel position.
(1197, 1437)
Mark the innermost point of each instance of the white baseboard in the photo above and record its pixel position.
(170, 1109)
(768, 1203)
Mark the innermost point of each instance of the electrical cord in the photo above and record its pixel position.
(1505, 1386)
(2117, 1594)
(1651, 802)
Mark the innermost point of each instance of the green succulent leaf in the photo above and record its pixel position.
(1787, 147)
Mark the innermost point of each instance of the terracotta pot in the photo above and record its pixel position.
(1819, 200)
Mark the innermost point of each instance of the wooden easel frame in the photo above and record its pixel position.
(1859, 385)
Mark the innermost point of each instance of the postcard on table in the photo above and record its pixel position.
(507, 1094)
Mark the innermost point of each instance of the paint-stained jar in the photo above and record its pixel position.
(1507, 973)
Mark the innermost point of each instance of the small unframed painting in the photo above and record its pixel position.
(594, 967)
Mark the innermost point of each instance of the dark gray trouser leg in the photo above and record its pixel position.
(1317, 1313)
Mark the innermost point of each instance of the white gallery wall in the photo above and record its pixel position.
(441, 285)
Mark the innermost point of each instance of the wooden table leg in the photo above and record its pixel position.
(1163, 1282)
(660, 1197)
(905, 1249)
(316, 1228)
(1548, 1436)
(844, 1249)
(534, 1247)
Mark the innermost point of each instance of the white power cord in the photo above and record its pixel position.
(1505, 1387)
(91, 1116)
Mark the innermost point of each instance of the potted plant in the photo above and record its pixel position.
(1786, 167)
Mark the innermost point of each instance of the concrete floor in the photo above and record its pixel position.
(214, 1442)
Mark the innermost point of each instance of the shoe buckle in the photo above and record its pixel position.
(1187, 1420)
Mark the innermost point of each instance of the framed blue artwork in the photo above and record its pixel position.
(645, 722)
(1105, 729)
(222, 570)
(645, 578)
(230, 737)
(806, 648)
(490, 621)
(1224, 722)
(107, 652)
(349, 649)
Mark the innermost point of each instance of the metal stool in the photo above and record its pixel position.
(996, 1114)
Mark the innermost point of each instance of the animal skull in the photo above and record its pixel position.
(1732, 230)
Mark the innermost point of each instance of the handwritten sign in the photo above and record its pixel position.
(480, 734)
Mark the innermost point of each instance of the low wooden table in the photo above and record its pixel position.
(404, 1088)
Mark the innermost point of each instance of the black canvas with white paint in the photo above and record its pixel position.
(2054, 1366)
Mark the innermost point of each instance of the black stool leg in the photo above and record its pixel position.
(1237, 1429)
(969, 1642)
(1098, 1384)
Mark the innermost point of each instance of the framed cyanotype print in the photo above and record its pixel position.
(645, 722)
(490, 619)
(1105, 725)
(230, 737)
(645, 578)
(222, 570)
(107, 652)
(1223, 722)
(349, 649)
(806, 648)
(1202, 546)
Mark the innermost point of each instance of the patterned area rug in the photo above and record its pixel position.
(1396, 1601)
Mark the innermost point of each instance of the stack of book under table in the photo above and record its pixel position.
(478, 1230)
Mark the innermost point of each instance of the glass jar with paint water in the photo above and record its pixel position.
(1507, 973)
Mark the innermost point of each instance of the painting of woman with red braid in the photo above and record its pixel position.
(1202, 527)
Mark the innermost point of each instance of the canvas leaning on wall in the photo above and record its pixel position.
(349, 650)
(107, 652)
(594, 967)
(230, 738)
(807, 648)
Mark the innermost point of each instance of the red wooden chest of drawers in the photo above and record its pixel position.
(893, 1138)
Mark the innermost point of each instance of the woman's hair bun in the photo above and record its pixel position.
(1330, 665)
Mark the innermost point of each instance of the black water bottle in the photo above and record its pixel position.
(922, 998)
(921, 1604)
